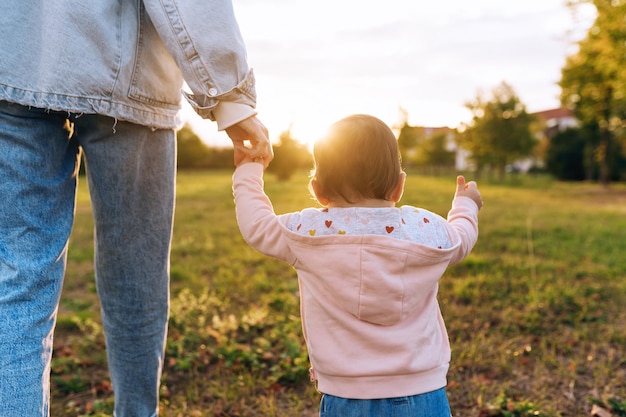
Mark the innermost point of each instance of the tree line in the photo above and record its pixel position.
(289, 154)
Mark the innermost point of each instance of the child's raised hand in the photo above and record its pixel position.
(469, 189)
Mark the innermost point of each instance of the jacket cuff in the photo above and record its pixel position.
(228, 113)
(205, 103)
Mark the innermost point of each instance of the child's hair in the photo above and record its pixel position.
(358, 159)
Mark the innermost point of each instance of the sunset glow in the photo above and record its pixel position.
(316, 62)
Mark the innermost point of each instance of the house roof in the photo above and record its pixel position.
(559, 113)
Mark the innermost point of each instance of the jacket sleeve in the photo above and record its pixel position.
(463, 222)
(258, 223)
(204, 38)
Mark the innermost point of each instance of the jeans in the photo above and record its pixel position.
(131, 178)
(431, 404)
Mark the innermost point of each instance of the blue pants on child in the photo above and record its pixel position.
(430, 404)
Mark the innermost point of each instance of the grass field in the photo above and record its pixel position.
(535, 315)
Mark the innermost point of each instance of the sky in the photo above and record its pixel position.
(316, 62)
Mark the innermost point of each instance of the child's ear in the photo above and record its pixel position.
(315, 186)
(397, 192)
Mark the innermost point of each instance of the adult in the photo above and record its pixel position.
(104, 78)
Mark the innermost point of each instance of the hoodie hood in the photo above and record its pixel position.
(377, 279)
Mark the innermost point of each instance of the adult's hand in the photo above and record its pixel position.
(251, 131)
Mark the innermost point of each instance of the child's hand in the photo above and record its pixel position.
(250, 140)
(245, 159)
(468, 190)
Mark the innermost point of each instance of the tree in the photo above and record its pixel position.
(593, 83)
(192, 153)
(421, 146)
(408, 140)
(565, 156)
(500, 131)
(289, 156)
(433, 151)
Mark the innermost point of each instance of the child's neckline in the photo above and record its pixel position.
(370, 203)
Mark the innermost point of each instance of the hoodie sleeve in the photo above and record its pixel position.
(258, 223)
(463, 222)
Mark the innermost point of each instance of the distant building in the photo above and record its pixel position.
(555, 121)
(421, 133)
(461, 158)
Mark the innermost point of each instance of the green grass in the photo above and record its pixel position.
(535, 315)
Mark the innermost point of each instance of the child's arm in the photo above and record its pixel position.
(463, 217)
(258, 223)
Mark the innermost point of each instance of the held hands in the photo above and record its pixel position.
(251, 131)
(468, 190)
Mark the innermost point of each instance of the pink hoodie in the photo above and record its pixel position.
(369, 306)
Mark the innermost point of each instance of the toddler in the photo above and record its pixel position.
(368, 271)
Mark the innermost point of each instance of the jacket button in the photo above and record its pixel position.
(212, 92)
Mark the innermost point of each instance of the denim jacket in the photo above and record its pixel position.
(126, 58)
